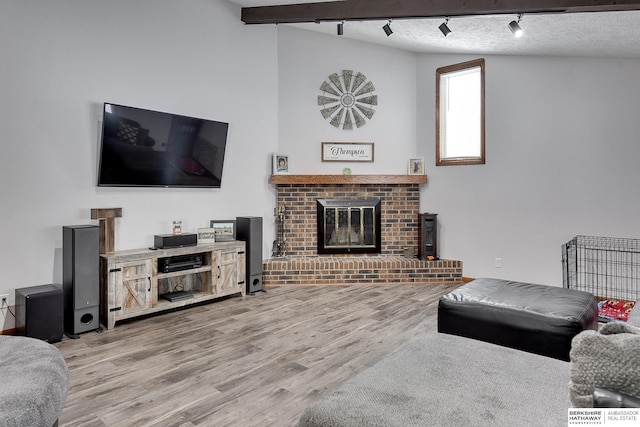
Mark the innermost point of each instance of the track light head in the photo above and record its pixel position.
(444, 28)
(387, 28)
(340, 28)
(515, 28)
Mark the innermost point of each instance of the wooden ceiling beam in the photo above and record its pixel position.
(362, 10)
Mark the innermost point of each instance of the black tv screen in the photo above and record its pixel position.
(145, 148)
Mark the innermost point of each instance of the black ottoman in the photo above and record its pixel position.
(535, 318)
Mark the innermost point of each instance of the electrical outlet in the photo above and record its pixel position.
(4, 298)
(497, 263)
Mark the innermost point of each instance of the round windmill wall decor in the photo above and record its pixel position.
(347, 99)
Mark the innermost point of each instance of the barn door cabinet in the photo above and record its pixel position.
(230, 273)
(131, 284)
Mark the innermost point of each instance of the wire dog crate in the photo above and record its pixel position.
(607, 267)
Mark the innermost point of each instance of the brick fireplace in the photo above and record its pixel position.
(399, 197)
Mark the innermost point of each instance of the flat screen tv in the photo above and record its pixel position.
(145, 148)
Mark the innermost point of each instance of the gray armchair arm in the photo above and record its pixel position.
(603, 398)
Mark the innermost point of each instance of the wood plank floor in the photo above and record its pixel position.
(253, 361)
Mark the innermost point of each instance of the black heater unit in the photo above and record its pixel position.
(428, 238)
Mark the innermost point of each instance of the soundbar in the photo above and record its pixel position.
(179, 262)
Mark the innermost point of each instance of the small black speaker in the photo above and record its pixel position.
(39, 312)
(428, 238)
(81, 278)
(249, 230)
(166, 241)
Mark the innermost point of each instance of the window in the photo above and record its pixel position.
(460, 114)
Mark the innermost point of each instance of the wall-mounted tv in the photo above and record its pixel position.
(145, 148)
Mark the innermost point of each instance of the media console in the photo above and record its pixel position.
(143, 281)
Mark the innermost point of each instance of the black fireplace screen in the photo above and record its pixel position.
(348, 226)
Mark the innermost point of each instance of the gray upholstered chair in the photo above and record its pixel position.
(34, 385)
(604, 365)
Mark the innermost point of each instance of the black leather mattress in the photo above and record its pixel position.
(535, 318)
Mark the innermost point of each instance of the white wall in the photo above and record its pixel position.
(562, 144)
(306, 59)
(561, 137)
(61, 59)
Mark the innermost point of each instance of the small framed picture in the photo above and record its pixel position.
(416, 166)
(206, 235)
(223, 231)
(280, 164)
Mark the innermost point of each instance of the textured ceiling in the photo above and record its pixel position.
(606, 34)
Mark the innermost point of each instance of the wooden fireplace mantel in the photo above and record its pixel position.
(348, 179)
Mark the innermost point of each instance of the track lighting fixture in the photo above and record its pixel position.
(387, 28)
(341, 28)
(444, 28)
(515, 28)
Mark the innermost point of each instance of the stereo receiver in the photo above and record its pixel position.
(179, 262)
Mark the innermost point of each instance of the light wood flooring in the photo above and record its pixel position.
(253, 361)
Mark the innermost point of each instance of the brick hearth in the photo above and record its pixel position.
(368, 269)
(302, 265)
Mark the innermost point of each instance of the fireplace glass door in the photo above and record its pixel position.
(348, 226)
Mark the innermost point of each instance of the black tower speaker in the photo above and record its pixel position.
(39, 312)
(249, 229)
(81, 278)
(428, 238)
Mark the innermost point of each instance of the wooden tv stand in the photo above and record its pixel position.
(132, 286)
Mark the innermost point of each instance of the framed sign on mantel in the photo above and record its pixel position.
(347, 151)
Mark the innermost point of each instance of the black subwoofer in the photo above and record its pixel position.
(249, 230)
(39, 312)
(81, 278)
